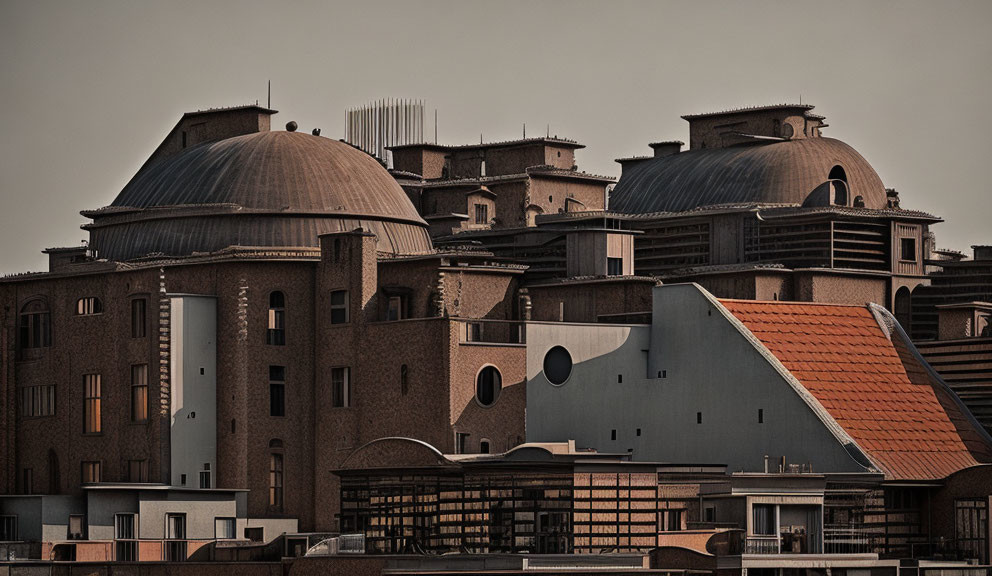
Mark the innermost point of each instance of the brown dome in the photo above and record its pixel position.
(774, 173)
(275, 189)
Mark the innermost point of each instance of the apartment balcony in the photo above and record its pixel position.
(500, 332)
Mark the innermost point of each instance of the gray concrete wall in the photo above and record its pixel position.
(55, 515)
(201, 509)
(194, 389)
(693, 359)
(28, 510)
(102, 506)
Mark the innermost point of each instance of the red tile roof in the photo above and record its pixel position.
(890, 408)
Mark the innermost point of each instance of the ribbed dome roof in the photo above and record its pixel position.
(773, 173)
(273, 171)
(265, 189)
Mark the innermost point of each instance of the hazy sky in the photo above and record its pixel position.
(88, 89)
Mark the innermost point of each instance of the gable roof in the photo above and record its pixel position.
(881, 398)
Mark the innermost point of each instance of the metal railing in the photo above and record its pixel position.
(761, 545)
(846, 540)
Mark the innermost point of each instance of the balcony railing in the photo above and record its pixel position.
(761, 545)
(846, 540)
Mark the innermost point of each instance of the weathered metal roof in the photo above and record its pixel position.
(776, 173)
(262, 189)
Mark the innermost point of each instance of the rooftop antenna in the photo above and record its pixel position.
(549, 131)
(269, 104)
(525, 130)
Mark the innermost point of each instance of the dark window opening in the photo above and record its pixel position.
(461, 443)
(35, 325)
(699, 417)
(557, 365)
(488, 384)
(340, 388)
(484, 446)
(619, 378)
(277, 390)
(481, 214)
(638, 431)
(139, 313)
(761, 416)
(614, 266)
(907, 249)
(613, 434)
(339, 307)
(137, 470)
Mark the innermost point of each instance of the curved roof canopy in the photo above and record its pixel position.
(781, 172)
(274, 189)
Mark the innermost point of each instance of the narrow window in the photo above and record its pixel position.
(8, 528)
(275, 480)
(182, 479)
(488, 384)
(276, 333)
(175, 531)
(37, 401)
(277, 390)
(137, 470)
(404, 385)
(699, 417)
(54, 480)
(484, 446)
(184, 138)
(88, 306)
(339, 307)
(204, 479)
(35, 325)
(619, 378)
(126, 547)
(613, 434)
(27, 481)
(395, 309)
(614, 266)
(139, 320)
(340, 388)
(139, 393)
(638, 431)
(92, 417)
(481, 214)
(337, 249)
(92, 472)
(474, 330)
(761, 415)
(76, 527)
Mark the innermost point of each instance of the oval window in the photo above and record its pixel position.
(557, 365)
(487, 386)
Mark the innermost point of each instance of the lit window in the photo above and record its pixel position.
(37, 401)
(91, 471)
(276, 334)
(224, 528)
(35, 325)
(275, 480)
(481, 214)
(487, 385)
(277, 390)
(139, 320)
(137, 470)
(339, 307)
(340, 387)
(139, 393)
(92, 418)
(88, 306)
(614, 266)
(907, 249)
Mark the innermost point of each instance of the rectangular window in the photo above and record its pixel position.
(907, 249)
(27, 481)
(340, 387)
(275, 481)
(224, 528)
(139, 317)
(77, 530)
(254, 534)
(126, 547)
(137, 470)
(614, 266)
(205, 480)
(92, 418)
(277, 390)
(481, 214)
(91, 471)
(139, 393)
(37, 401)
(763, 520)
(461, 443)
(395, 309)
(35, 328)
(339, 307)
(88, 306)
(971, 523)
(175, 530)
(671, 520)
(474, 330)
(8, 528)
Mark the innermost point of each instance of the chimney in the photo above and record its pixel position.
(666, 148)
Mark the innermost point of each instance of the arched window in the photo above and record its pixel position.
(903, 308)
(838, 189)
(276, 334)
(837, 173)
(89, 306)
(35, 325)
(404, 385)
(275, 475)
(488, 384)
(485, 446)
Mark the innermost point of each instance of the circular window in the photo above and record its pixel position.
(557, 365)
(487, 386)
